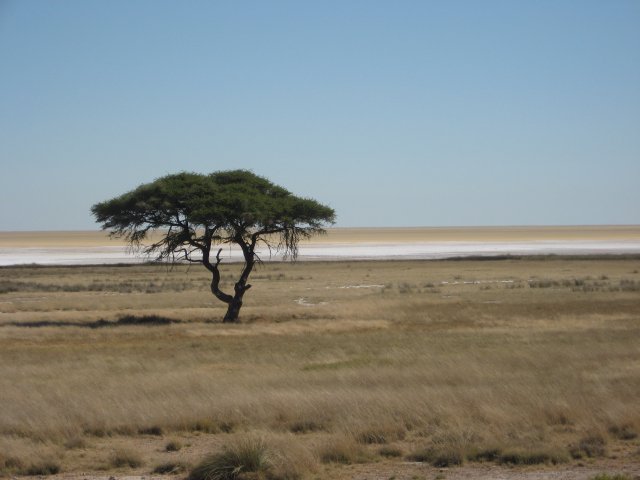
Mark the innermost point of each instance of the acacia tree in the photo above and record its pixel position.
(193, 214)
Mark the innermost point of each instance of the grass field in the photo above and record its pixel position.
(336, 366)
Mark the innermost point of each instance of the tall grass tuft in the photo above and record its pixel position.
(341, 450)
(173, 445)
(126, 458)
(247, 455)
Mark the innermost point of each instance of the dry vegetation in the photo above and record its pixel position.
(339, 369)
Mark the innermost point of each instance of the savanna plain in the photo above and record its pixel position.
(479, 368)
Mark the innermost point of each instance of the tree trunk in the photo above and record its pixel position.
(233, 310)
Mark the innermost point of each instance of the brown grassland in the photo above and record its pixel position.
(388, 369)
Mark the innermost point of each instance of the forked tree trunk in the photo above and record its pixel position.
(234, 303)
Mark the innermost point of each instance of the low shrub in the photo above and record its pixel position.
(623, 432)
(8, 286)
(532, 457)
(440, 457)
(590, 446)
(155, 430)
(9, 464)
(405, 288)
(448, 458)
(42, 468)
(390, 452)
(425, 455)
(627, 285)
(486, 454)
(98, 431)
(170, 468)
(173, 446)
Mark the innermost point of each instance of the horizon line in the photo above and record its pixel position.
(404, 227)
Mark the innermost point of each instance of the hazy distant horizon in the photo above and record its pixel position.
(373, 227)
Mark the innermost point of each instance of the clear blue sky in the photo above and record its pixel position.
(395, 113)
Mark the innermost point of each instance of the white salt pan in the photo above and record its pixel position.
(329, 251)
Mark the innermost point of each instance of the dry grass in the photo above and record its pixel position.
(508, 361)
(251, 455)
(126, 458)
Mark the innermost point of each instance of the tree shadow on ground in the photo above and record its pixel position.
(143, 320)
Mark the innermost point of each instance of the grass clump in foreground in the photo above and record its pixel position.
(251, 458)
(173, 445)
(10, 465)
(623, 432)
(591, 446)
(155, 430)
(343, 450)
(533, 457)
(440, 457)
(249, 455)
(126, 458)
(390, 451)
(170, 468)
(449, 456)
(42, 468)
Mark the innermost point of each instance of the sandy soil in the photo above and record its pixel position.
(363, 235)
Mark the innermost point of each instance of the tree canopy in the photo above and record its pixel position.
(194, 212)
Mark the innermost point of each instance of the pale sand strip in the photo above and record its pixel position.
(364, 235)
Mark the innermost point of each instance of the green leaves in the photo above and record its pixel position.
(195, 210)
